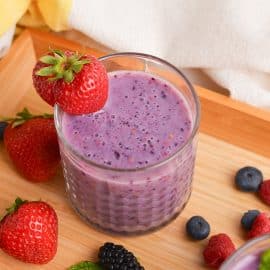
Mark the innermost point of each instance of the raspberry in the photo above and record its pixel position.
(260, 226)
(219, 247)
(264, 191)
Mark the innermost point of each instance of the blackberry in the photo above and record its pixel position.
(116, 257)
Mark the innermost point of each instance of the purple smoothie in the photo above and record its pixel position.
(144, 122)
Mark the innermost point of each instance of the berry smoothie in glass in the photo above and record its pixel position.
(249, 256)
(128, 167)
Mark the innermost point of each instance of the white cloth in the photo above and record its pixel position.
(5, 40)
(228, 40)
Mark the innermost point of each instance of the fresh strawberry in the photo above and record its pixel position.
(80, 83)
(29, 232)
(43, 86)
(31, 142)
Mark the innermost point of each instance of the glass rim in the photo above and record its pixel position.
(242, 248)
(195, 128)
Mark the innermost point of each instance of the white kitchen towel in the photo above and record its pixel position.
(229, 40)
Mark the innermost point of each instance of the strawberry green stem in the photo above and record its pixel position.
(61, 66)
(15, 206)
(24, 115)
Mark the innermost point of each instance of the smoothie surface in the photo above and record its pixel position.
(144, 120)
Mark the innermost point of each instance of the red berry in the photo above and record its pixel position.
(43, 86)
(264, 191)
(219, 247)
(260, 226)
(33, 148)
(88, 91)
(81, 82)
(29, 232)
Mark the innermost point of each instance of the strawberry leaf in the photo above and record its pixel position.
(47, 115)
(82, 62)
(48, 59)
(18, 202)
(58, 52)
(46, 71)
(23, 116)
(8, 119)
(78, 65)
(15, 206)
(18, 122)
(63, 65)
(77, 68)
(68, 76)
(73, 58)
(86, 265)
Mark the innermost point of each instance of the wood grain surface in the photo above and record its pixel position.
(229, 130)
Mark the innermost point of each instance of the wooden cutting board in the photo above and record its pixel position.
(232, 135)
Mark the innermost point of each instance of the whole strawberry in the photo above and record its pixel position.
(29, 232)
(31, 142)
(77, 83)
(43, 86)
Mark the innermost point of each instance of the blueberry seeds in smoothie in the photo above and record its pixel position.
(129, 166)
(144, 121)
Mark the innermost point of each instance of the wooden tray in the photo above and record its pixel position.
(232, 135)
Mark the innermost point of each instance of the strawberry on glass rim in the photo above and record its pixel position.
(77, 83)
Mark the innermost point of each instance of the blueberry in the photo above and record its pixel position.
(248, 179)
(248, 218)
(3, 126)
(197, 228)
